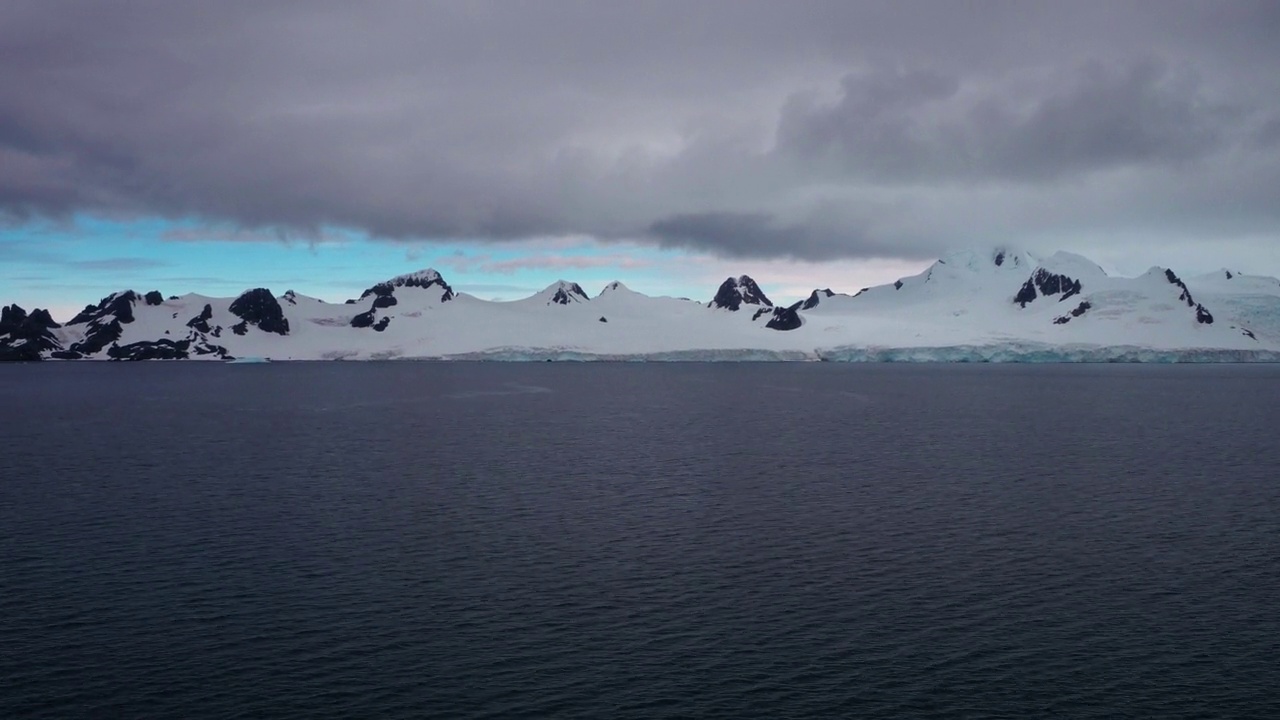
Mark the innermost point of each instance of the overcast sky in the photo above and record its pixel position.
(830, 138)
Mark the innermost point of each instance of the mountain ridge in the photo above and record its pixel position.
(1000, 299)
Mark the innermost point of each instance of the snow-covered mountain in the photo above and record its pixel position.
(993, 305)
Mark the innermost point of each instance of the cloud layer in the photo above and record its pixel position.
(808, 130)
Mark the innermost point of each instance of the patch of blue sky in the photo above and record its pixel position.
(64, 265)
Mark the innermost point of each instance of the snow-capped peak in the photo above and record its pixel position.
(420, 278)
(562, 292)
(736, 292)
(423, 279)
(615, 286)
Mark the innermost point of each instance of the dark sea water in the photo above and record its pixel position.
(402, 540)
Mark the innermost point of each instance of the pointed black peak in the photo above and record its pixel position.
(290, 297)
(259, 307)
(116, 306)
(736, 292)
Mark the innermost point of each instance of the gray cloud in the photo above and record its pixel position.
(912, 126)
(814, 130)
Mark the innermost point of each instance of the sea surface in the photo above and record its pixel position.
(458, 540)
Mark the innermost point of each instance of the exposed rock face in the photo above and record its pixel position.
(784, 318)
(119, 306)
(1185, 295)
(26, 337)
(382, 324)
(569, 293)
(200, 323)
(153, 298)
(259, 307)
(290, 297)
(603, 319)
(1079, 310)
(736, 292)
(1048, 284)
(362, 320)
(104, 322)
(1203, 316)
(424, 279)
(897, 284)
(151, 350)
(814, 298)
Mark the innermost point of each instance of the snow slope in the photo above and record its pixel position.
(988, 305)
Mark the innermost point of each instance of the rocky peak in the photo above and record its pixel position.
(259, 307)
(423, 279)
(116, 306)
(563, 292)
(736, 292)
(1048, 284)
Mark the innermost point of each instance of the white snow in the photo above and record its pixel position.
(961, 309)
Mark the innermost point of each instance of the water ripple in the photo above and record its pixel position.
(549, 540)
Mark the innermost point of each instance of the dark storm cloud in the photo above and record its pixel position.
(909, 126)
(815, 130)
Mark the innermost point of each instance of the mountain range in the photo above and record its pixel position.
(990, 305)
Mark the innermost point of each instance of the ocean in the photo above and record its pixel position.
(631, 540)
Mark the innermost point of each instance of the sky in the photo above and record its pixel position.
(323, 145)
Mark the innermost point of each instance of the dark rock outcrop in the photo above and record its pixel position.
(784, 318)
(151, 350)
(1185, 295)
(200, 323)
(259, 307)
(897, 284)
(814, 298)
(382, 324)
(1079, 310)
(1048, 284)
(385, 301)
(153, 298)
(566, 293)
(603, 319)
(424, 279)
(119, 306)
(241, 328)
(1203, 316)
(26, 337)
(104, 322)
(362, 320)
(736, 292)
